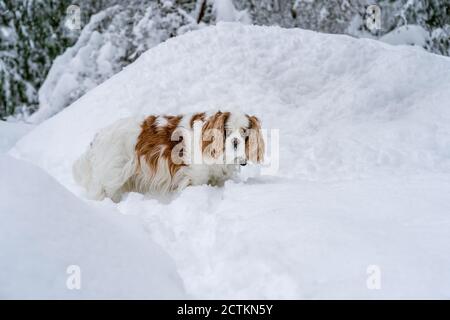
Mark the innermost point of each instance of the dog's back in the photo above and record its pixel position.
(109, 162)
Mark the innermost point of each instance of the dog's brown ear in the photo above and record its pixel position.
(213, 135)
(254, 146)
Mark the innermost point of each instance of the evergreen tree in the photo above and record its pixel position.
(432, 15)
(114, 38)
(32, 35)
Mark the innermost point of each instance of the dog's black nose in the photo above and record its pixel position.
(244, 163)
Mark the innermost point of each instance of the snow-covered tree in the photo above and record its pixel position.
(113, 38)
(432, 15)
(45, 65)
(330, 16)
(32, 35)
(424, 23)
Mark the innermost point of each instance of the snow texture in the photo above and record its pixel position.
(11, 132)
(45, 229)
(226, 12)
(407, 35)
(364, 170)
(113, 38)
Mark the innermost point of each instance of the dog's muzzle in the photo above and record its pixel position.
(242, 162)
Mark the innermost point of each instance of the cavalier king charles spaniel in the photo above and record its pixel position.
(162, 154)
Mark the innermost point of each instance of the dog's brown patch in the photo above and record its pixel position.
(154, 142)
(198, 116)
(254, 142)
(213, 134)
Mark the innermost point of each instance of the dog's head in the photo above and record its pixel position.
(232, 138)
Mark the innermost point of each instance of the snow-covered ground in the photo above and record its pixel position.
(51, 243)
(364, 177)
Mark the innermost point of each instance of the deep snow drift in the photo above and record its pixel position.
(10, 133)
(45, 230)
(364, 162)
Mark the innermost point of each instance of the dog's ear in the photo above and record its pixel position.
(213, 135)
(254, 146)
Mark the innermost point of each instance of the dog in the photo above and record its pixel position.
(165, 154)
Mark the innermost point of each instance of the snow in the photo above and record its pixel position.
(364, 160)
(10, 132)
(113, 38)
(300, 239)
(407, 35)
(73, 72)
(43, 233)
(225, 11)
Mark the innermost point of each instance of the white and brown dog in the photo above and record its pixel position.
(161, 154)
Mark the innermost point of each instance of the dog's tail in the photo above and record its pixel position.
(83, 174)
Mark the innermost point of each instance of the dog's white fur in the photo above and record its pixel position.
(111, 166)
(104, 169)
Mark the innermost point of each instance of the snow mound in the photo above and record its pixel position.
(298, 239)
(10, 132)
(364, 155)
(45, 230)
(343, 106)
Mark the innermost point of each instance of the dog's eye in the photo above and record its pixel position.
(243, 132)
(235, 143)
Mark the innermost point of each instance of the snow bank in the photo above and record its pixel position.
(364, 162)
(344, 106)
(45, 229)
(10, 132)
(298, 239)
